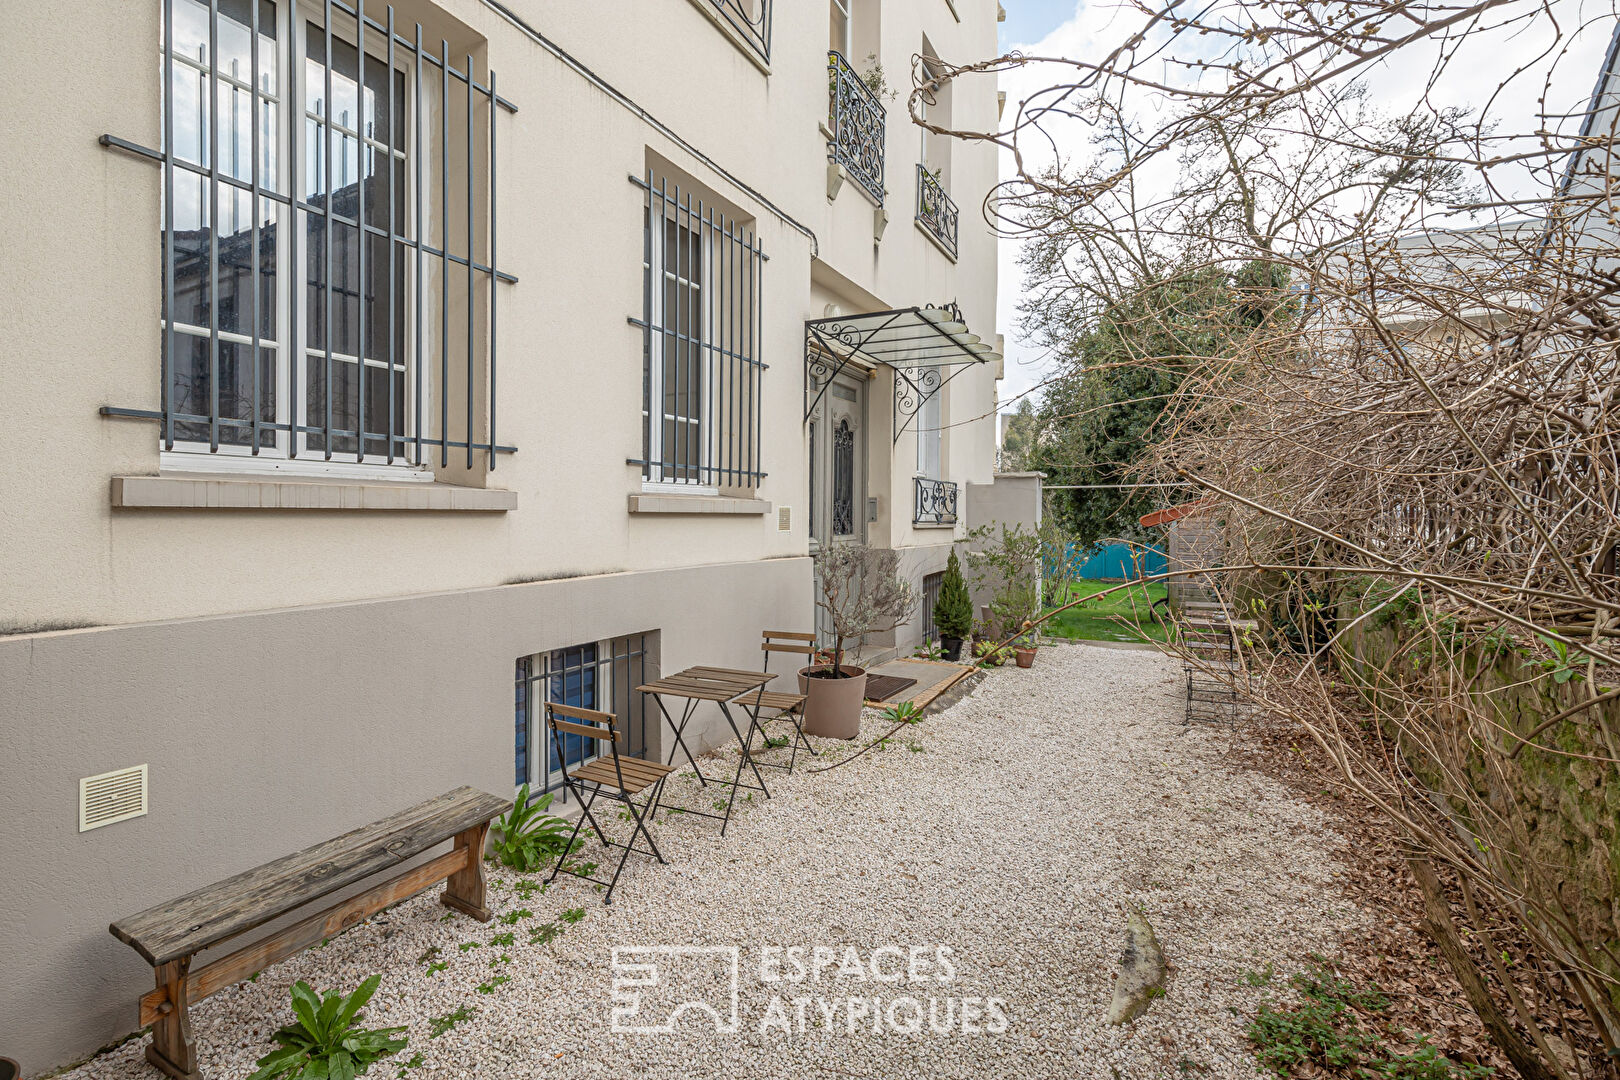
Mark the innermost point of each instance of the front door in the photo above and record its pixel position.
(838, 470)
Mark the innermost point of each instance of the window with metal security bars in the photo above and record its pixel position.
(328, 238)
(701, 332)
(597, 675)
(930, 596)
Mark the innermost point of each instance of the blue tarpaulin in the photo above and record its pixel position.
(1117, 561)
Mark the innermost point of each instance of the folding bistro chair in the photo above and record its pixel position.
(618, 780)
(788, 706)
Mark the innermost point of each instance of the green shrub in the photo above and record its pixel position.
(953, 610)
(528, 838)
(326, 1042)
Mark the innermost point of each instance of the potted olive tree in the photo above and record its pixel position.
(953, 610)
(862, 593)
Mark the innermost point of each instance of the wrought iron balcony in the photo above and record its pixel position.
(935, 210)
(935, 502)
(752, 21)
(856, 117)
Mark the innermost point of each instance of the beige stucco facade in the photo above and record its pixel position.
(295, 648)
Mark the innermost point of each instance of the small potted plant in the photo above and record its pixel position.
(1024, 647)
(862, 593)
(953, 610)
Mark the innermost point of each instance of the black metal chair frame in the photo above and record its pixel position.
(796, 642)
(583, 722)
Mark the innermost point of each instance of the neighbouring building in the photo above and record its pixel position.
(377, 373)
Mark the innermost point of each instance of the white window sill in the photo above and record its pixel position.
(181, 492)
(921, 525)
(657, 503)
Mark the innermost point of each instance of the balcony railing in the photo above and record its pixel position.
(935, 502)
(935, 210)
(752, 21)
(856, 117)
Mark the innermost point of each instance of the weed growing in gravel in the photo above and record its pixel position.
(511, 917)
(326, 1038)
(527, 838)
(1326, 1029)
(499, 960)
(437, 966)
(540, 935)
(432, 953)
(465, 945)
(493, 984)
(527, 887)
(415, 1063)
(438, 1025)
(915, 747)
(502, 939)
(573, 915)
(1260, 978)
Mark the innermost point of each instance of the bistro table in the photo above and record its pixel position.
(723, 686)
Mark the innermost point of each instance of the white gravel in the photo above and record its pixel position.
(1037, 811)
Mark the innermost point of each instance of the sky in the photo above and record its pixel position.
(1075, 28)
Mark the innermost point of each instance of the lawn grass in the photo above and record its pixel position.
(1120, 616)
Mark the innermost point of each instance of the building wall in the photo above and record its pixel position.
(268, 732)
(288, 674)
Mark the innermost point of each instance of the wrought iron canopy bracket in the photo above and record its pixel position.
(914, 345)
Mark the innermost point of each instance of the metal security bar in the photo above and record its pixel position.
(935, 210)
(304, 296)
(935, 502)
(598, 675)
(702, 326)
(857, 119)
(931, 585)
(752, 20)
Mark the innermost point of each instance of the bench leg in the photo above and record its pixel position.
(464, 891)
(173, 1050)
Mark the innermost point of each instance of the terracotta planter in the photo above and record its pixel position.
(1025, 657)
(832, 707)
(952, 648)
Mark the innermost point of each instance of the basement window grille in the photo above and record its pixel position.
(328, 237)
(702, 329)
(597, 675)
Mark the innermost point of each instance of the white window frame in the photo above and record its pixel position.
(295, 21)
(656, 480)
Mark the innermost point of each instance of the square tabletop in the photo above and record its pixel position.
(707, 683)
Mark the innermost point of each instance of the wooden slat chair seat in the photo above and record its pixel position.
(613, 777)
(169, 935)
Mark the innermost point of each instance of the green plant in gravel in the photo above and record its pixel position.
(493, 984)
(326, 1041)
(437, 966)
(438, 1025)
(573, 915)
(527, 887)
(511, 917)
(1326, 1029)
(903, 713)
(527, 838)
(540, 935)
(953, 609)
(502, 939)
(1260, 978)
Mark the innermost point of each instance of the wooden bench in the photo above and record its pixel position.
(170, 934)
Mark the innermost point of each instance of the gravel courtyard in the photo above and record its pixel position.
(993, 850)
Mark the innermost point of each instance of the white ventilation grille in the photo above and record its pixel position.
(113, 796)
(784, 519)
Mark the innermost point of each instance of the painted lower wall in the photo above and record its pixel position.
(267, 732)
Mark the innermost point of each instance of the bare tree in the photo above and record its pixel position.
(1416, 461)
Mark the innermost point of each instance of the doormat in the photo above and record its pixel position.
(883, 687)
